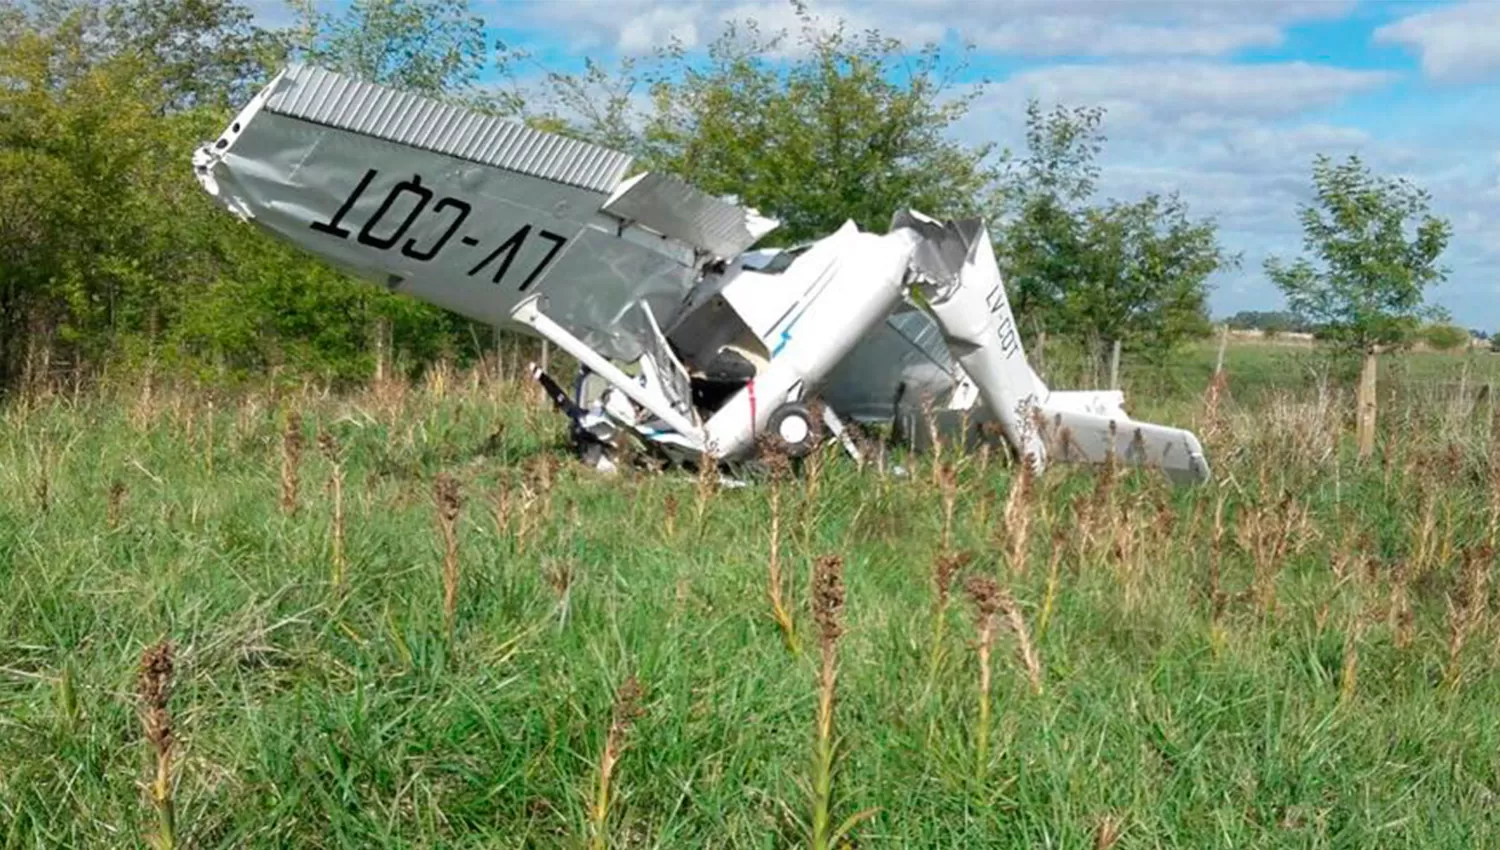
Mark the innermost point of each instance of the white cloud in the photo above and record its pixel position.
(661, 24)
(1080, 35)
(1457, 43)
(1217, 137)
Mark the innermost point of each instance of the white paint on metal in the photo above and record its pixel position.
(855, 285)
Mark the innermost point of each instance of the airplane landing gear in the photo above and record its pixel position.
(796, 428)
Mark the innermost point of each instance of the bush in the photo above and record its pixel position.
(1445, 337)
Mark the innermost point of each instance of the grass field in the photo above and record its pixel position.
(434, 630)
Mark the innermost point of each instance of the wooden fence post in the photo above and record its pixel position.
(382, 347)
(1365, 420)
(1114, 366)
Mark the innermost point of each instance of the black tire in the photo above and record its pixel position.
(795, 429)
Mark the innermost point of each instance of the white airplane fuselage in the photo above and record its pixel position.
(827, 301)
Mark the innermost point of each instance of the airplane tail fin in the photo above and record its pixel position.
(963, 291)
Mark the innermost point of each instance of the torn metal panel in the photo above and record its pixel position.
(671, 207)
(323, 97)
(663, 367)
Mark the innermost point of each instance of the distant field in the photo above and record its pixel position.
(1261, 370)
(1302, 654)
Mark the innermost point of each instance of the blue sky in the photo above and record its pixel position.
(1224, 101)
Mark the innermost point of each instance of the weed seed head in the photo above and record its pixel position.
(154, 688)
(627, 707)
(291, 438)
(449, 501)
(1108, 832)
(944, 567)
(985, 594)
(828, 597)
(329, 446)
(772, 450)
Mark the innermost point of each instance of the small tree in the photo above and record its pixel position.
(1143, 276)
(1042, 200)
(1136, 273)
(435, 47)
(1375, 249)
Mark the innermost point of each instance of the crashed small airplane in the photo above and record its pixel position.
(690, 342)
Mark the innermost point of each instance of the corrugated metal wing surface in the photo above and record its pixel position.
(324, 97)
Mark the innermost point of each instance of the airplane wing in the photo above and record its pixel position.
(469, 212)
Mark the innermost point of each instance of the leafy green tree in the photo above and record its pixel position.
(109, 250)
(1045, 191)
(204, 53)
(1142, 276)
(1136, 273)
(197, 53)
(1374, 250)
(433, 47)
(853, 127)
(92, 187)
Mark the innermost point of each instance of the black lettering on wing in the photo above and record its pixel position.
(557, 243)
(415, 187)
(510, 247)
(332, 226)
(410, 248)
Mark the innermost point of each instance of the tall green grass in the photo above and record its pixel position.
(1291, 680)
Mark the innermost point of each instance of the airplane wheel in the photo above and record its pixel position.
(796, 429)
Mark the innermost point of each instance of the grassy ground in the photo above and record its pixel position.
(1299, 655)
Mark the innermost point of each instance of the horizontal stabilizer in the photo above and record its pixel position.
(1107, 403)
(1081, 437)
